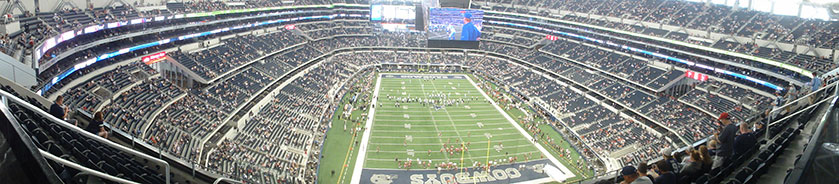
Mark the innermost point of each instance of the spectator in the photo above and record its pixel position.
(686, 158)
(632, 176)
(97, 125)
(707, 161)
(726, 137)
(693, 168)
(643, 168)
(792, 94)
(745, 141)
(777, 103)
(814, 85)
(664, 173)
(59, 111)
(713, 147)
(667, 153)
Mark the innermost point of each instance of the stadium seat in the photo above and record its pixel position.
(702, 179)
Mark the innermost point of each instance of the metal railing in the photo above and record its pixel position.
(808, 160)
(796, 103)
(83, 169)
(225, 179)
(84, 133)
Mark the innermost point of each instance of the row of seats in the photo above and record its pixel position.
(69, 144)
(234, 52)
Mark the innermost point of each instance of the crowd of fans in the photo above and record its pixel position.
(231, 53)
(279, 143)
(729, 142)
(510, 36)
(702, 16)
(89, 48)
(714, 18)
(280, 138)
(693, 124)
(600, 129)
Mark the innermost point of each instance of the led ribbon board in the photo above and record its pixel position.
(154, 58)
(49, 43)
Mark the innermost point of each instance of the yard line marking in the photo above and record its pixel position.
(431, 144)
(423, 120)
(466, 125)
(473, 158)
(415, 137)
(444, 131)
(455, 128)
(470, 150)
(424, 115)
(434, 121)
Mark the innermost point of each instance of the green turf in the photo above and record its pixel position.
(338, 142)
(430, 128)
(336, 149)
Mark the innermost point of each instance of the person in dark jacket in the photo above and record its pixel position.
(97, 125)
(745, 141)
(57, 109)
(664, 173)
(643, 169)
(726, 137)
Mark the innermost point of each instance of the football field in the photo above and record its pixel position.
(422, 122)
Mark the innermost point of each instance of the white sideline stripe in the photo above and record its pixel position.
(567, 173)
(362, 151)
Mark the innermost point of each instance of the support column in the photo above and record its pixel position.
(62, 4)
(112, 2)
(9, 8)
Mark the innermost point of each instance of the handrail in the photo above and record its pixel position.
(795, 102)
(84, 169)
(806, 158)
(225, 179)
(85, 133)
(808, 95)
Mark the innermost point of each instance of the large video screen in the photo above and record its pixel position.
(455, 24)
(393, 14)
